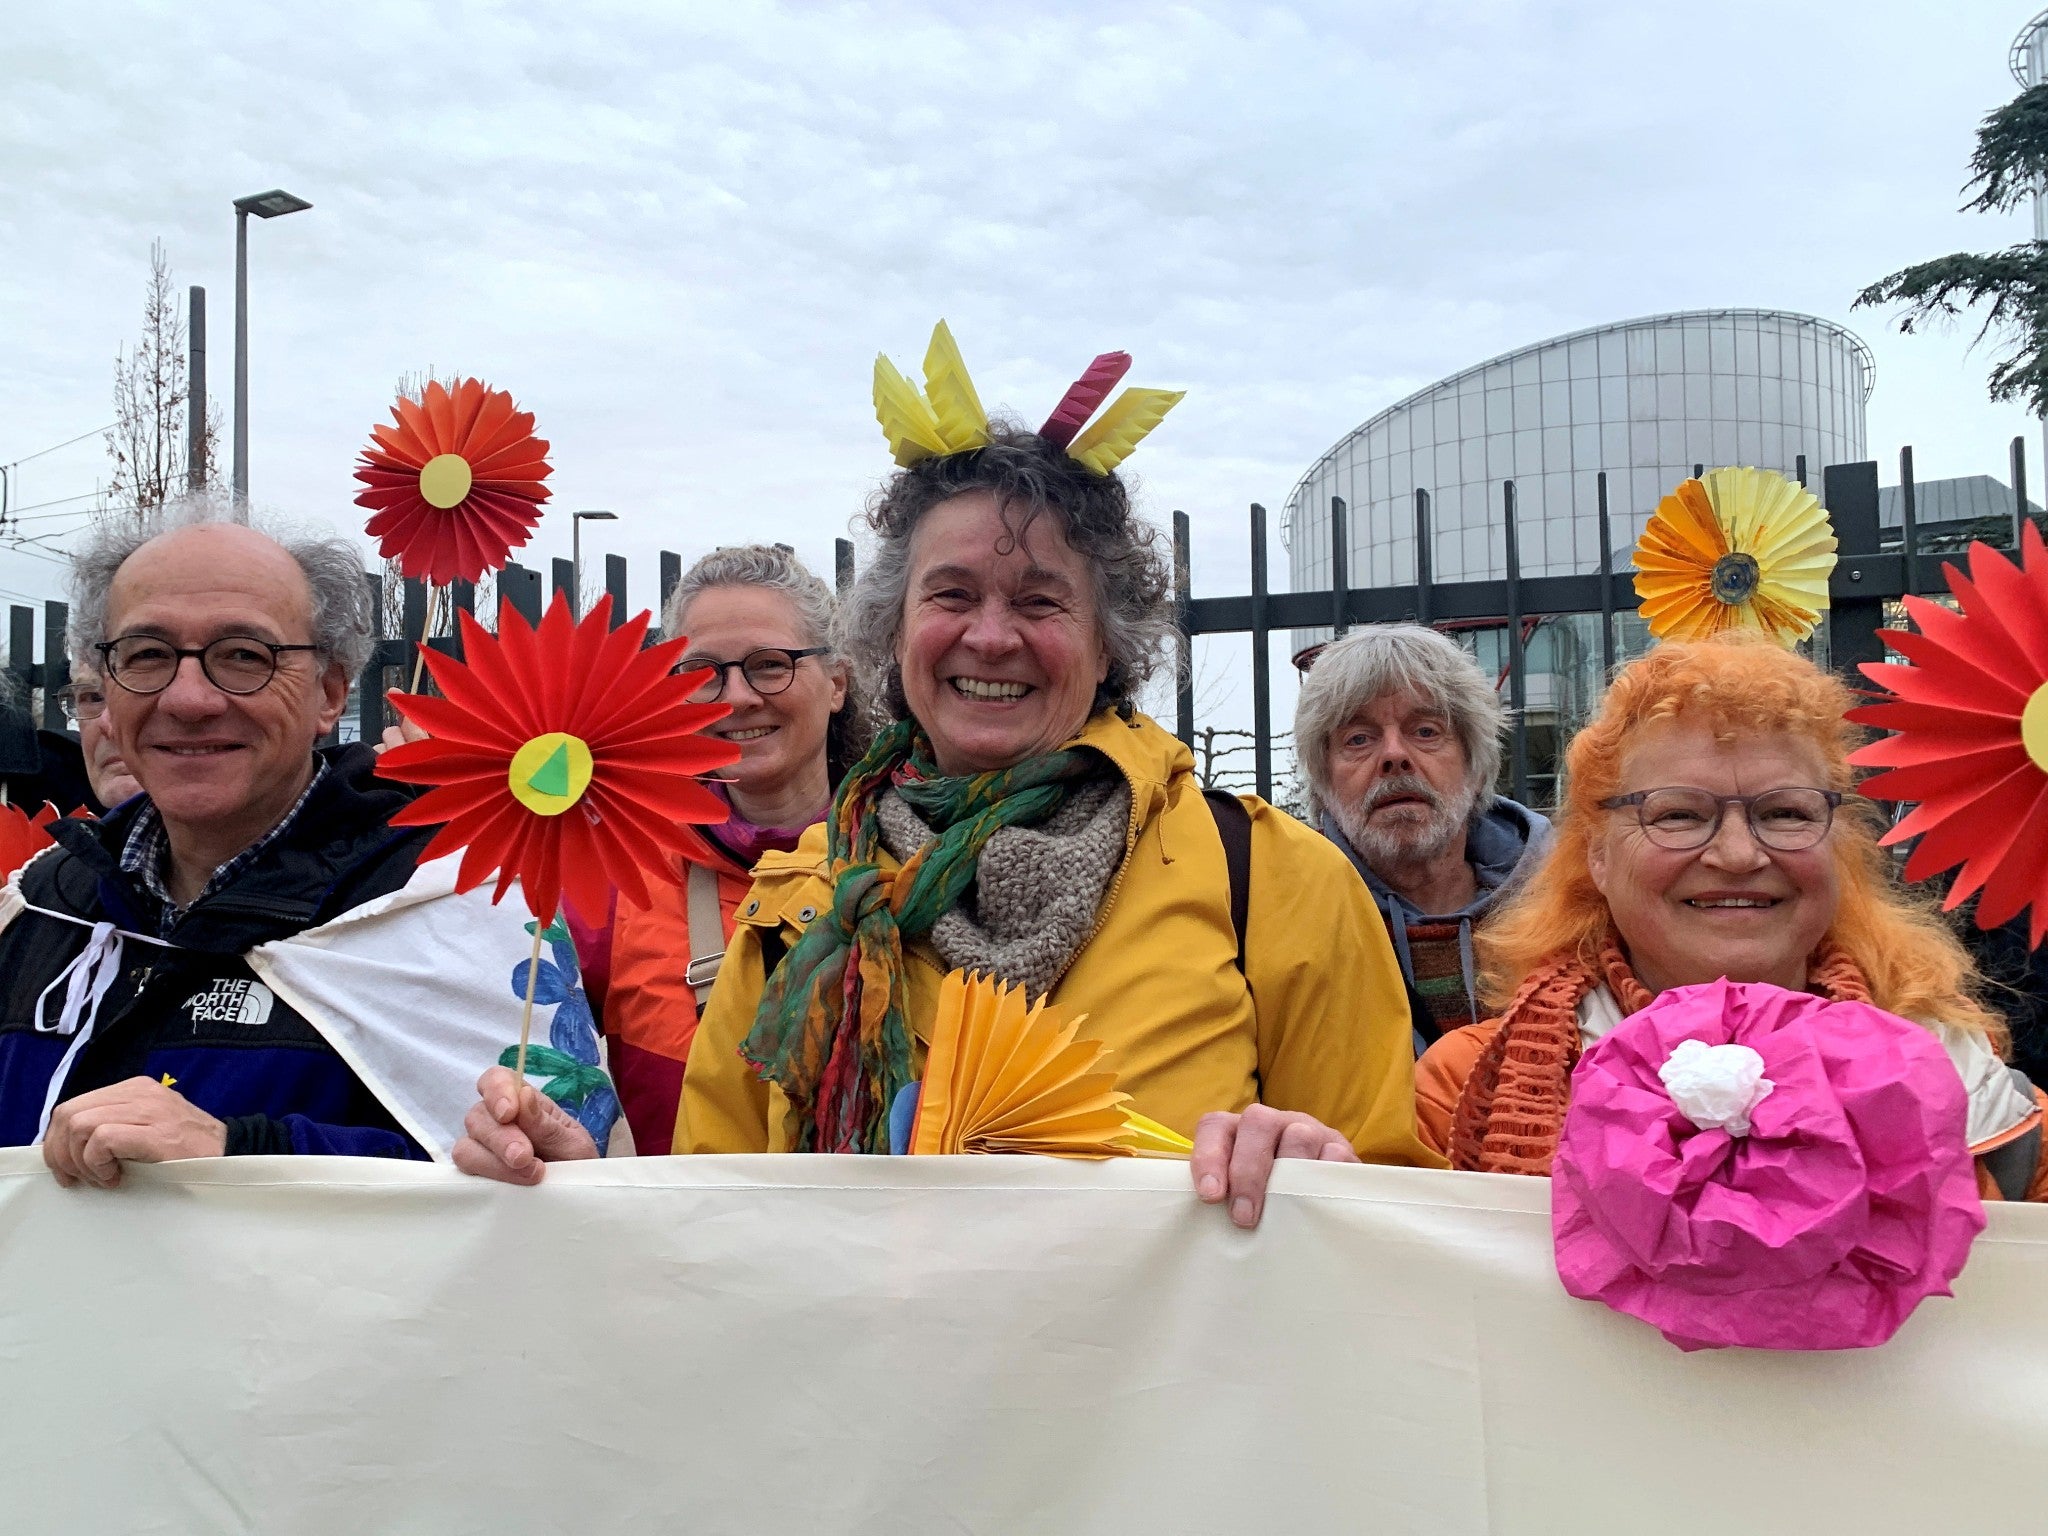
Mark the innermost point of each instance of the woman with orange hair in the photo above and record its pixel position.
(1704, 835)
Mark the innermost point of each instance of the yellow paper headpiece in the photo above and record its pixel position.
(947, 417)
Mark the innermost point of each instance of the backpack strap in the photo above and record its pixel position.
(1234, 826)
(707, 931)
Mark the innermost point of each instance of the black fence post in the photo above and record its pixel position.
(1799, 469)
(615, 587)
(1340, 576)
(1518, 682)
(842, 566)
(565, 581)
(1606, 582)
(21, 647)
(521, 588)
(1184, 646)
(370, 687)
(1425, 557)
(1856, 607)
(671, 576)
(1262, 664)
(56, 663)
(1909, 529)
(2019, 492)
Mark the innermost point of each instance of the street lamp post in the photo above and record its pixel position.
(265, 205)
(576, 555)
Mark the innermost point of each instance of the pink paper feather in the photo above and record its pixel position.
(1080, 402)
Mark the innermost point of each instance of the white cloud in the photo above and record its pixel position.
(679, 233)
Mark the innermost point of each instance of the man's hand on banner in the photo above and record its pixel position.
(514, 1130)
(138, 1121)
(1234, 1155)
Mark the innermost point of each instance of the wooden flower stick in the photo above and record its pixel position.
(526, 1018)
(419, 652)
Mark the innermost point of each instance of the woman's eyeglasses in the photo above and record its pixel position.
(1682, 818)
(768, 671)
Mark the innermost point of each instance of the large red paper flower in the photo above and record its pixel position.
(1971, 717)
(455, 484)
(565, 758)
(23, 836)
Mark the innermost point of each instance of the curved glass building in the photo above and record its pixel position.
(1646, 400)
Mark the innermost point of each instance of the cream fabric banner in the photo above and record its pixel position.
(939, 1345)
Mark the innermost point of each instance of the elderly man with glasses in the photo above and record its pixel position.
(159, 998)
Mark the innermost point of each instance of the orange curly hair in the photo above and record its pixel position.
(1744, 684)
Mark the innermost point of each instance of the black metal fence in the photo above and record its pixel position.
(1867, 577)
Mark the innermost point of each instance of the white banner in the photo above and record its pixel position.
(907, 1345)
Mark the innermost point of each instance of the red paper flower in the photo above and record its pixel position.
(565, 758)
(1971, 714)
(23, 836)
(456, 484)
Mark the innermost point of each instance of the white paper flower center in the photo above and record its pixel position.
(1716, 1087)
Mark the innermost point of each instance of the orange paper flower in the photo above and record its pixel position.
(1971, 717)
(565, 758)
(23, 836)
(455, 485)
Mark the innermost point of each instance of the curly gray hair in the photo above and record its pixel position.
(1032, 478)
(332, 566)
(1383, 658)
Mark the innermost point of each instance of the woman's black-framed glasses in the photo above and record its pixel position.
(767, 671)
(233, 663)
(1681, 818)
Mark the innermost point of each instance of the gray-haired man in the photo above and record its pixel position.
(247, 957)
(1398, 733)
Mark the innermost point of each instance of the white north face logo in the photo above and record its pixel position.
(234, 1001)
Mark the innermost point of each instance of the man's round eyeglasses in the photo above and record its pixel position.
(1682, 818)
(233, 663)
(767, 671)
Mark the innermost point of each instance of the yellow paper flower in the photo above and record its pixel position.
(1736, 548)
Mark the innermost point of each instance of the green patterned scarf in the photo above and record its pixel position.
(831, 1031)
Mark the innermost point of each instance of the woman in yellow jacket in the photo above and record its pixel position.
(1018, 818)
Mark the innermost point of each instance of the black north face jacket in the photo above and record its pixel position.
(192, 1013)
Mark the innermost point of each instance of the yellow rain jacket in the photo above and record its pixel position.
(1318, 1022)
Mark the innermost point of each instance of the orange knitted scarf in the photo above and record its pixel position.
(1513, 1104)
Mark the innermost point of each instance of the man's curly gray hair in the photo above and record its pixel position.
(1029, 478)
(333, 569)
(1385, 658)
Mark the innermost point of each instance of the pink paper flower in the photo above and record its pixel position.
(1852, 1197)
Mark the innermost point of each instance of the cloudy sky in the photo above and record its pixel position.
(680, 231)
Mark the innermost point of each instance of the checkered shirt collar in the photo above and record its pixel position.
(144, 852)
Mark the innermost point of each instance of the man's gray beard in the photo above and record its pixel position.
(1408, 844)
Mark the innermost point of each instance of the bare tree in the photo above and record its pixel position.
(148, 442)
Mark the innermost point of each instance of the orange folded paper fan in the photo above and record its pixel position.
(1970, 717)
(455, 483)
(1735, 549)
(1003, 1077)
(23, 836)
(562, 757)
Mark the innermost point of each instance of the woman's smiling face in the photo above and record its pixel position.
(1001, 646)
(1731, 907)
(781, 736)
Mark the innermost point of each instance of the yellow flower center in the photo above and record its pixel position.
(2034, 727)
(444, 481)
(550, 773)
